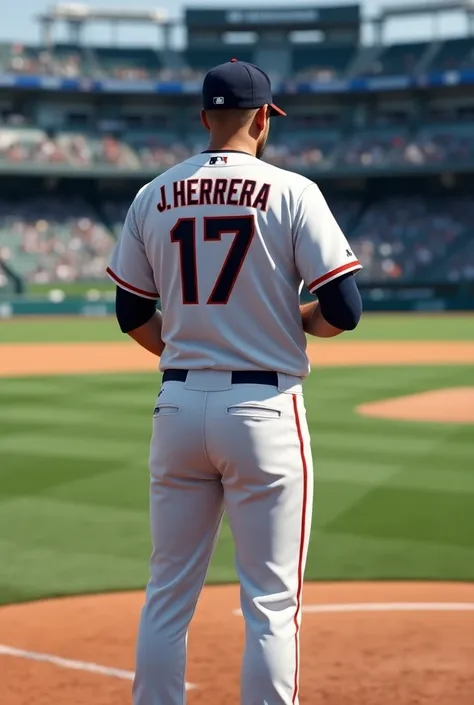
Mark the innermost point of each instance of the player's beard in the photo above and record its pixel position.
(262, 143)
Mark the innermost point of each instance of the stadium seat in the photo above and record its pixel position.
(399, 59)
(51, 239)
(205, 59)
(127, 63)
(454, 54)
(317, 59)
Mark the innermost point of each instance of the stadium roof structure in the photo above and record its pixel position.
(423, 7)
(77, 15)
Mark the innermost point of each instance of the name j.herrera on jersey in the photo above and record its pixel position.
(215, 192)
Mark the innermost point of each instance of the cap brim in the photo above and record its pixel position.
(276, 111)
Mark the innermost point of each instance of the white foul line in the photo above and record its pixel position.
(71, 664)
(387, 607)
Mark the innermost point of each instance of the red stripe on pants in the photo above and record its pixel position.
(301, 550)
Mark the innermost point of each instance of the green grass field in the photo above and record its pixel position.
(392, 499)
(372, 327)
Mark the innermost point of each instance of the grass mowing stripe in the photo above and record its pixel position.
(40, 446)
(373, 473)
(20, 476)
(414, 326)
(82, 528)
(410, 326)
(52, 414)
(117, 491)
(61, 330)
(331, 499)
(336, 556)
(74, 572)
(326, 467)
(77, 422)
(424, 515)
(444, 454)
(379, 444)
(395, 383)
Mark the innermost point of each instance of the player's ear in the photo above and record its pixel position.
(261, 117)
(204, 120)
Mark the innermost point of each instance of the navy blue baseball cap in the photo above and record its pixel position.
(237, 84)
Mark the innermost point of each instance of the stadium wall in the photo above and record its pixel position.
(414, 297)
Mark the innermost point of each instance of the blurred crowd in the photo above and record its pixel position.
(461, 266)
(50, 239)
(310, 63)
(58, 240)
(54, 240)
(412, 237)
(365, 150)
(76, 63)
(428, 146)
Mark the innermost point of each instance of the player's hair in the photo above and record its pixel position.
(237, 117)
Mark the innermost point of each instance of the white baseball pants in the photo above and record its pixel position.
(244, 449)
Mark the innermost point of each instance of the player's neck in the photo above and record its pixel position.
(232, 145)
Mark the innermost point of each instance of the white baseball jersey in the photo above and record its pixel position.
(226, 240)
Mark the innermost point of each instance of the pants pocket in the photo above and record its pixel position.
(165, 410)
(254, 411)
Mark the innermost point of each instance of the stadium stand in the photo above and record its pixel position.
(114, 214)
(308, 60)
(454, 54)
(404, 237)
(460, 267)
(127, 63)
(324, 62)
(364, 142)
(30, 145)
(52, 240)
(439, 144)
(291, 147)
(373, 147)
(399, 59)
(201, 59)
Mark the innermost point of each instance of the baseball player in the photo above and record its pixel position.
(226, 241)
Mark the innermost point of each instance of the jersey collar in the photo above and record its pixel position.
(226, 151)
(235, 158)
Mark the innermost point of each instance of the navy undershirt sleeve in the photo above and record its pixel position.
(132, 311)
(340, 302)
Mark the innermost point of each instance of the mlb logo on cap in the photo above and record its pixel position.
(238, 84)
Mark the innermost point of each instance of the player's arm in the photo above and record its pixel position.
(324, 258)
(338, 309)
(139, 318)
(149, 334)
(137, 293)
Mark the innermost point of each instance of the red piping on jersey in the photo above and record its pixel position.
(301, 550)
(130, 287)
(334, 272)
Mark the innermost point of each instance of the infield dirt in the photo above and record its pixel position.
(27, 359)
(368, 656)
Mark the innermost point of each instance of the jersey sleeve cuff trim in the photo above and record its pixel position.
(129, 287)
(333, 274)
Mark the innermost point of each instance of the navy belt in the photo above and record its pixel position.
(240, 377)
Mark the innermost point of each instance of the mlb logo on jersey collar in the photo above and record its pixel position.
(217, 160)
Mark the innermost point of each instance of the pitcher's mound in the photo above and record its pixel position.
(455, 405)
